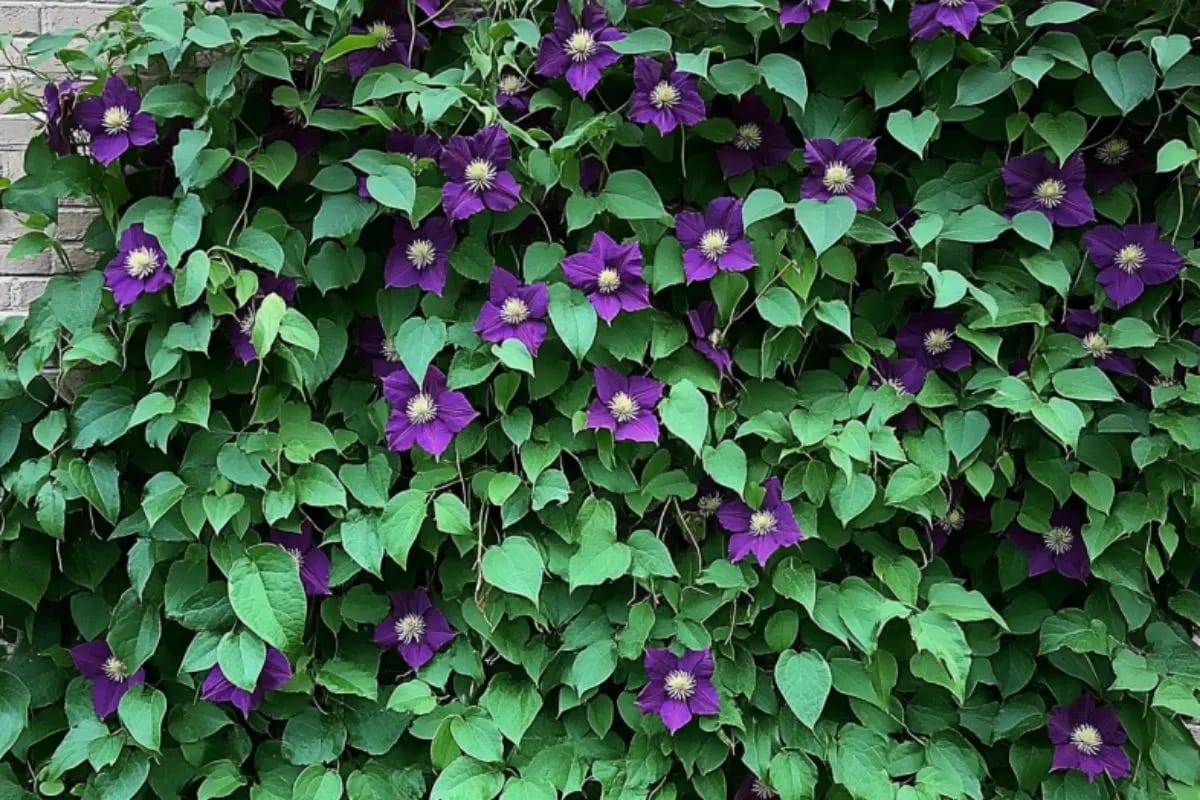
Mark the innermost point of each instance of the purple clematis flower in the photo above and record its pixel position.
(929, 338)
(475, 172)
(109, 675)
(420, 256)
(275, 674)
(962, 509)
(840, 170)
(678, 687)
(1131, 258)
(708, 336)
(760, 531)
(314, 564)
(927, 20)
(758, 141)
(664, 96)
(273, 8)
(801, 11)
(625, 406)
(448, 13)
(241, 324)
(514, 311)
(139, 268)
(115, 121)
(62, 131)
(376, 345)
(415, 628)
(578, 51)
(1086, 325)
(396, 41)
(713, 240)
(1113, 161)
(1060, 549)
(1035, 184)
(905, 375)
(1088, 738)
(708, 499)
(428, 415)
(610, 274)
(414, 145)
(754, 788)
(512, 90)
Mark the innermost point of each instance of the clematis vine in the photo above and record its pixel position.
(420, 256)
(1131, 258)
(139, 268)
(678, 687)
(514, 311)
(799, 12)
(927, 20)
(378, 347)
(713, 240)
(625, 406)
(840, 170)
(115, 121)
(313, 563)
(1087, 737)
(476, 174)
(240, 325)
(110, 676)
(395, 41)
(1086, 325)
(610, 274)
(578, 50)
(415, 628)
(1061, 549)
(760, 531)
(427, 416)
(1035, 184)
(758, 140)
(663, 96)
(930, 339)
(275, 674)
(708, 336)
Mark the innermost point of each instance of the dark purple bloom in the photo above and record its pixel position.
(961, 510)
(240, 325)
(590, 170)
(513, 311)
(625, 406)
(109, 675)
(664, 96)
(396, 40)
(905, 375)
(713, 240)
(414, 145)
(1131, 258)
(1086, 325)
(927, 20)
(753, 788)
(760, 531)
(512, 90)
(272, 8)
(114, 121)
(428, 415)
(1113, 161)
(420, 256)
(276, 672)
(1061, 548)
(707, 336)
(578, 51)
(314, 564)
(929, 338)
(1088, 738)
(610, 274)
(62, 131)
(475, 173)
(758, 141)
(800, 11)
(378, 347)
(1035, 184)
(139, 268)
(708, 499)
(678, 688)
(415, 628)
(840, 170)
(448, 13)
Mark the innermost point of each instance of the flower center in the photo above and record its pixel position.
(114, 669)
(580, 46)
(1113, 152)
(664, 95)
(421, 253)
(512, 84)
(1096, 346)
(952, 3)
(389, 351)
(1087, 739)
(1164, 381)
(608, 281)
(762, 791)
(838, 178)
(953, 521)
(295, 117)
(1059, 540)
(708, 504)
(480, 174)
(896, 384)
(384, 34)
(1130, 258)
(714, 244)
(763, 523)
(410, 628)
(749, 137)
(679, 684)
(514, 311)
(246, 323)
(141, 263)
(1050, 193)
(115, 120)
(421, 409)
(714, 337)
(295, 553)
(938, 341)
(623, 407)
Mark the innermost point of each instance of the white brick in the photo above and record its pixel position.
(20, 18)
(40, 264)
(17, 293)
(16, 130)
(62, 15)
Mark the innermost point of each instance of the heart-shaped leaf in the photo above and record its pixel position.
(824, 223)
(804, 679)
(912, 132)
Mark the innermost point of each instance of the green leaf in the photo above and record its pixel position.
(512, 705)
(1169, 49)
(467, 779)
(266, 323)
(761, 204)
(513, 354)
(1085, 383)
(1063, 132)
(852, 497)
(275, 163)
(825, 223)
(726, 464)
(912, 132)
(942, 638)
(804, 680)
(1032, 226)
(14, 710)
(341, 215)
(515, 566)
(982, 82)
(963, 605)
(1059, 13)
(1174, 155)
(779, 307)
(401, 522)
(266, 595)
(574, 319)
(629, 194)
(684, 412)
(643, 40)
(394, 187)
(141, 711)
(478, 737)
(1061, 418)
(192, 278)
(241, 657)
(419, 341)
(785, 75)
(835, 314)
(1128, 81)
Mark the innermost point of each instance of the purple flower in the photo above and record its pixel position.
(801, 11)
(1113, 161)
(664, 96)
(840, 170)
(513, 311)
(62, 131)
(139, 268)
(512, 90)
(109, 675)
(272, 8)
(1088, 738)
(1061, 548)
(753, 788)
(396, 40)
(448, 13)
(610, 274)
(578, 51)
(314, 564)
(114, 121)
(713, 240)
(678, 688)
(428, 415)
(961, 510)
(1131, 258)
(275, 674)
(475, 172)
(927, 20)
(378, 347)
(1086, 325)
(415, 628)
(708, 336)
(760, 531)
(929, 338)
(414, 145)
(590, 170)
(708, 499)
(758, 141)
(625, 406)
(905, 375)
(420, 256)
(241, 324)
(1035, 184)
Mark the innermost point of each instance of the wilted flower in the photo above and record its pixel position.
(512, 90)
(62, 131)
(758, 140)
(625, 406)
(753, 788)
(420, 256)
(115, 121)
(378, 347)
(314, 564)
(799, 12)
(275, 674)
(1088, 738)
(1086, 325)
(476, 174)
(1035, 184)
(415, 628)
(905, 375)
(109, 675)
(513, 311)
(713, 240)
(1115, 160)
(708, 336)
(929, 338)
(395, 41)
(414, 145)
(578, 51)
(664, 96)
(428, 415)
(1061, 548)
(448, 13)
(840, 170)
(610, 274)
(760, 531)
(139, 268)
(927, 20)
(1130, 258)
(240, 326)
(678, 688)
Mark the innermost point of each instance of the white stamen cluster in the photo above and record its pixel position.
(116, 119)
(714, 243)
(938, 341)
(1086, 739)
(1113, 151)
(623, 407)
(838, 177)
(421, 253)
(1096, 345)
(763, 523)
(420, 409)
(748, 137)
(664, 95)
(1130, 258)
(1059, 540)
(514, 311)
(384, 35)
(141, 263)
(480, 175)
(1050, 193)
(679, 684)
(114, 669)
(580, 46)
(708, 504)
(410, 628)
(608, 281)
